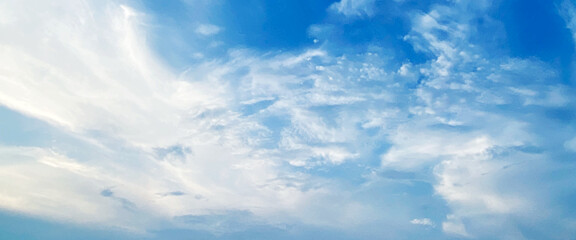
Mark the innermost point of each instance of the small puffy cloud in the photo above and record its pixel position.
(208, 29)
(422, 221)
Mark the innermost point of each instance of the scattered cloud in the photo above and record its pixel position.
(303, 137)
(187, 131)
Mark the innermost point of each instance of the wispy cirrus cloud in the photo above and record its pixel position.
(106, 86)
(282, 139)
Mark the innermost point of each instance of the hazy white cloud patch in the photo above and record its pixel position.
(567, 11)
(455, 226)
(208, 29)
(571, 144)
(422, 221)
(354, 8)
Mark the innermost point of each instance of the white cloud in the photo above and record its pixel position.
(354, 8)
(422, 221)
(470, 183)
(460, 131)
(208, 29)
(413, 148)
(90, 73)
(44, 183)
(241, 138)
(102, 79)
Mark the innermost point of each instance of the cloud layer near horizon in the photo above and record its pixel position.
(451, 146)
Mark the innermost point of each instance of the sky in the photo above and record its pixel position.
(287, 119)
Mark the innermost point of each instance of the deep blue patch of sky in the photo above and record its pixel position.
(273, 24)
(535, 29)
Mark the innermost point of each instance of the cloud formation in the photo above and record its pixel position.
(310, 137)
(184, 133)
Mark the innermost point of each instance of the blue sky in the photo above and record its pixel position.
(276, 119)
